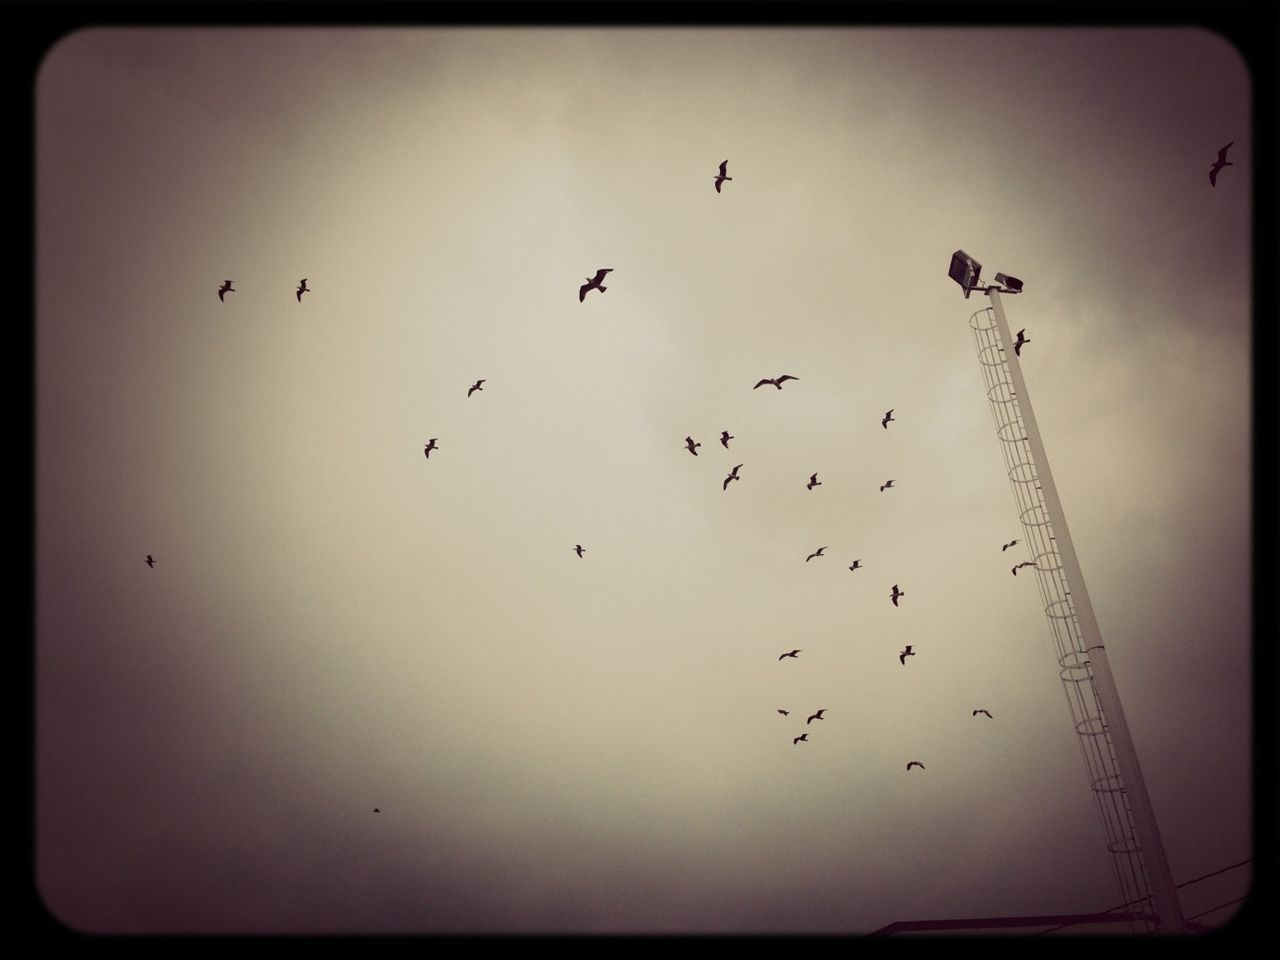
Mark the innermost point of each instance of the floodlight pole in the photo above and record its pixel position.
(1159, 876)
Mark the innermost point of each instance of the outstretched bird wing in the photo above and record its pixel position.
(600, 274)
(724, 172)
(763, 382)
(785, 376)
(582, 291)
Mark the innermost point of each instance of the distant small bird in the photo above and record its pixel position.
(856, 565)
(1017, 344)
(578, 549)
(1221, 162)
(731, 476)
(803, 736)
(431, 445)
(1009, 544)
(816, 716)
(902, 657)
(915, 763)
(376, 810)
(885, 485)
(887, 417)
(791, 654)
(150, 562)
(693, 447)
(816, 553)
(777, 382)
(225, 288)
(722, 178)
(976, 712)
(813, 482)
(725, 437)
(1024, 563)
(785, 713)
(476, 386)
(594, 283)
(303, 288)
(896, 594)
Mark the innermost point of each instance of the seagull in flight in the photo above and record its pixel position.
(1024, 563)
(803, 736)
(376, 810)
(791, 654)
(816, 553)
(693, 447)
(902, 657)
(887, 417)
(976, 712)
(225, 288)
(777, 382)
(856, 565)
(886, 484)
(303, 288)
(915, 763)
(1017, 344)
(816, 716)
(722, 178)
(785, 713)
(1221, 162)
(895, 595)
(1009, 544)
(150, 562)
(725, 437)
(594, 283)
(476, 386)
(813, 482)
(431, 445)
(578, 549)
(731, 476)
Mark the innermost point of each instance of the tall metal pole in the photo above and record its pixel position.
(1116, 729)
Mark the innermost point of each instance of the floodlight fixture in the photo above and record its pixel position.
(965, 271)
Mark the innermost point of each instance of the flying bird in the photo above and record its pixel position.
(785, 713)
(1024, 563)
(149, 561)
(976, 712)
(813, 482)
(376, 810)
(725, 437)
(731, 476)
(887, 417)
(225, 288)
(777, 382)
(578, 549)
(915, 763)
(594, 283)
(816, 553)
(896, 594)
(856, 565)
(791, 654)
(816, 716)
(693, 447)
(722, 178)
(1221, 162)
(887, 483)
(303, 288)
(803, 736)
(902, 657)
(476, 386)
(431, 445)
(1009, 544)
(1017, 344)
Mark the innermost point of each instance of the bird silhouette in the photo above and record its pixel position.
(1024, 563)
(886, 484)
(902, 657)
(431, 445)
(978, 711)
(693, 447)
(816, 553)
(376, 810)
(785, 713)
(1221, 162)
(722, 178)
(777, 382)
(303, 288)
(803, 736)
(896, 594)
(149, 561)
(1009, 544)
(856, 565)
(813, 482)
(725, 437)
(915, 763)
(578, 548)
(887, 417)
(225, 288)
(816, 716)
(732, 476)
(1017, 344)
(791, 654)
(594, 283)
(476, 386)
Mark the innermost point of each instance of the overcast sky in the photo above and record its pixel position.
(336, 623)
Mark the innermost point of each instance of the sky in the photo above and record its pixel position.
(562, 744)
